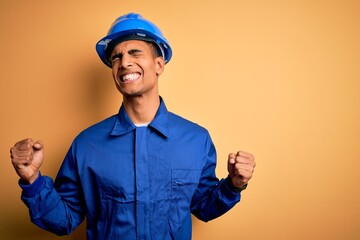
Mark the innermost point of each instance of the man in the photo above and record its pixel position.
(138, 174)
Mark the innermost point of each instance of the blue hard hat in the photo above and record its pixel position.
(132, 26)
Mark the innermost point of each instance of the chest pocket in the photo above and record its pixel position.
(184, 183)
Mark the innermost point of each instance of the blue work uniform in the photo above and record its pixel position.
(133, 182)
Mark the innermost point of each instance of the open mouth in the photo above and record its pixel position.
(129, 77)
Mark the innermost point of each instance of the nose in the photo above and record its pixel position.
(126, 61)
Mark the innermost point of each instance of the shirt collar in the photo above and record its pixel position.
(124, 125)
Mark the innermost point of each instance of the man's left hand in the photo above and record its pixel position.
(241, 168)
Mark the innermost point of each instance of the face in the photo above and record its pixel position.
(135, 68)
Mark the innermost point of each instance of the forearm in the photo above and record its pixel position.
(47, 209)
(215, 201)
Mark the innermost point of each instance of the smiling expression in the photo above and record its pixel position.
(136, 68)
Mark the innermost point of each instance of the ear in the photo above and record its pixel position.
(159, 65)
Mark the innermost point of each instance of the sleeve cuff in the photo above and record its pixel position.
(30, 190)
(228, 194)
(232, 187)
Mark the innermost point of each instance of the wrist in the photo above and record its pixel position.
(233, 187)
(31, 179)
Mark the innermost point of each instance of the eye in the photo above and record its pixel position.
(116, 57)
(134, 52)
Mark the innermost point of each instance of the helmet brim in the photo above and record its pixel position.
(106, 44)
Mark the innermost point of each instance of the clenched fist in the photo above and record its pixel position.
(240, 167)
(27, 157)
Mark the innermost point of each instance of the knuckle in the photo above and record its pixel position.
(28, 140)
(24, 143)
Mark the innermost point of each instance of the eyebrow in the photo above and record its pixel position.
(134, 51)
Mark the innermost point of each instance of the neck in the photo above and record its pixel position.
(140, 108)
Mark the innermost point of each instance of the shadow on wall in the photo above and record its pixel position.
(92, 99)
(95, 95)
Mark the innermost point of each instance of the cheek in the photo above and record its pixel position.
(150, 73)
(114, 73)
(115, 79)
(151, 68)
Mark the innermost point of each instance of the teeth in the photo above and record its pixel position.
(130, 77)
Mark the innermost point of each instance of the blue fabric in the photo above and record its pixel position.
(133, 182)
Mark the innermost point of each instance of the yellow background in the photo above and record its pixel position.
(280, 79)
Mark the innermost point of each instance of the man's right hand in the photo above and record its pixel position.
(27, 157)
